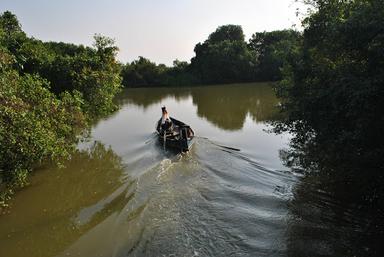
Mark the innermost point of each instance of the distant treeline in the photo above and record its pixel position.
(225, 57)
(49, 93)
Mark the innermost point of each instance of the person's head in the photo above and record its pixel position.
(163, 109)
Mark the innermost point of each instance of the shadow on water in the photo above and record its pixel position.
(325, 221)
(55, 220)
(337, 208)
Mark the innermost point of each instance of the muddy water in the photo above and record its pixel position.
(122, 194)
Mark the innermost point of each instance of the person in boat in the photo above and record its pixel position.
(166, 122)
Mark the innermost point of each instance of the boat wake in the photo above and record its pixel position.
(213, 201)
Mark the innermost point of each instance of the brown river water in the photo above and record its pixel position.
(122, 194)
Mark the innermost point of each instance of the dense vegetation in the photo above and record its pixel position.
(333, 93)
(225, 57)
(49, 92)
(144, 73)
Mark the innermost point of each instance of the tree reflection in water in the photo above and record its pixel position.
(329, 215)
(225, 106)
(56, 212)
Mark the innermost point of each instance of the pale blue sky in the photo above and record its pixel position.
(161, 30)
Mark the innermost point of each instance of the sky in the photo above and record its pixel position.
(161, 30)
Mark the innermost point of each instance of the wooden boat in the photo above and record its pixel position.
(180, 137)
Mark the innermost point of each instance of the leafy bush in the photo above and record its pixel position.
(48, 94)
(34, 125)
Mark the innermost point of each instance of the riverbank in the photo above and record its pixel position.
(255, 83)
(49, 94)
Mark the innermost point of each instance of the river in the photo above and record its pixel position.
(122, 194)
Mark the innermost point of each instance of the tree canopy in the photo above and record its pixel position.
(224, 57)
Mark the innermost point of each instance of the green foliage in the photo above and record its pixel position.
(10, 23)
(97, 77)
(180, 74)
(223, 58)
(227, 32)
(226, 58)
(12, 37)
(48, 94)
(36, 56)
(272, 50)
(34, 125)
(93, 72)
(334, 96)
(222, 62)
(144, 73)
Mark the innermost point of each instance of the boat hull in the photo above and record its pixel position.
(182, 145)
(181, 137)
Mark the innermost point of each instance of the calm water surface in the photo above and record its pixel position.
(123, 195)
